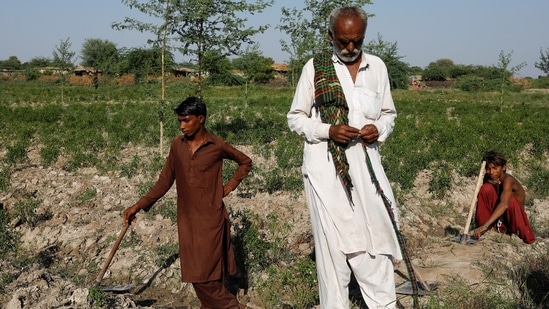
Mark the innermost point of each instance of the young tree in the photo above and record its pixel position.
(102, 56)
(543, 63)
(63, 59)
(199, 25)
(162, 10)
(215, 25)
(308, 30)
(504, 60)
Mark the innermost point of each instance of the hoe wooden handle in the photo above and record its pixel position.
(475, 195)
(113, 251)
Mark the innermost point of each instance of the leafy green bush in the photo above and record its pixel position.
(469, 83)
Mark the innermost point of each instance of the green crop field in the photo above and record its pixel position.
(444, 132)
(439, 130)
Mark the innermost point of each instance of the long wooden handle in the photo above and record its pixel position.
(113, 251)
(475, 195)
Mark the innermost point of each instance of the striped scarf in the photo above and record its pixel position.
(330, 102)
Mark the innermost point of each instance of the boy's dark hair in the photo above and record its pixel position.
(191, 106)
(495, 158)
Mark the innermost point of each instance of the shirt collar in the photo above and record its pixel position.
(209, 137)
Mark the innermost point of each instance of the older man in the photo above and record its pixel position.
(343, 108)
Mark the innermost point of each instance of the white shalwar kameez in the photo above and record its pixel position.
(359, 233)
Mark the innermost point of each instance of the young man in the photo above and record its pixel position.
(501, 201)
(195, 163)
(343, 108)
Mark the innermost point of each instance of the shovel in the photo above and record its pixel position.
(113, 288)
(465, 238)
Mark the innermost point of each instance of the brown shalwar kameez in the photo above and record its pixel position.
(205, 249)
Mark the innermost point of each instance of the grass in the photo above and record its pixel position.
(442, 131)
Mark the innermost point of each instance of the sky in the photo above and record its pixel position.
(467, 32)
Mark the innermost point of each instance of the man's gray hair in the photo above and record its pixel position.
(347, 11)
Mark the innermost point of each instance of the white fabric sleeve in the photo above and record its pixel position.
(299, 117)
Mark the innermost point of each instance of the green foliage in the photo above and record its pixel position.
(169, 210)
(5, 175)
(537, 180)
(12, 63)
(87, 195)
(444, 132)
(26, 211)
(543, 63)
(295, 286)
(5, 279)
(255, 66)
(101, 55)
(16, 153)
(31, 74)
(200, 26)
(542, 82)
(98, 297)
(398, 70)
(444, 128)
(307, 29)
(441, 181)
(39, 62)
(431, 128)
(219, 68)
(469, 83)
(143, 62)
(49, 155)
(63, 59)
(9, 237)
(62, 55)
(130, 169)
(250, 244)
(438, 70)
(261, 248)
(506, 74)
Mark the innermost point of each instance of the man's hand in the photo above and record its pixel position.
(369, 134)
(343, 134)
(129, 214)
(479, 231)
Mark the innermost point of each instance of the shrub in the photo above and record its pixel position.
(469, 83)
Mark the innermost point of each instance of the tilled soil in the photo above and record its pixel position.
(72, 237)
